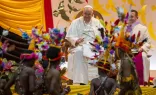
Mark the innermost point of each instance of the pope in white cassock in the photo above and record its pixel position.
(81, 31)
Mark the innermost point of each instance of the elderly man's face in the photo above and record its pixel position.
(87, 14)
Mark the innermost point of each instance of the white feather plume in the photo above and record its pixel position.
(5, 32)
(120, 10)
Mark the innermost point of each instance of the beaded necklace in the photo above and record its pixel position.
(18, 79)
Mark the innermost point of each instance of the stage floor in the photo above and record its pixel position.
(84, 90)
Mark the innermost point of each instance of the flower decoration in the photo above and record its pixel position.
(35, 32)
(39, 68)
(8, 65)
(24, 34)
(57, 35)
(46, 36)
(5, 45)
(43, 46)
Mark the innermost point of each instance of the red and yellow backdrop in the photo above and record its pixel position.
(25, 14)
(51, 13)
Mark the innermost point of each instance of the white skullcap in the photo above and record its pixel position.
(88, 6)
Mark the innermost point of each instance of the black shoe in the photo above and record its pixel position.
(154, 87)
(82, 84)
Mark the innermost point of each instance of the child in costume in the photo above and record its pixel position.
(24, 77)
(52, 75)
(103, 85)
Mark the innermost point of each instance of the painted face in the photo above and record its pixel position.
(87, 14)
(133, 18)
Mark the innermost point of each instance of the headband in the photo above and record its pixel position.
(54, 59)
(29, 56)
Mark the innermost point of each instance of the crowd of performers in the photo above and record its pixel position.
(39, 72)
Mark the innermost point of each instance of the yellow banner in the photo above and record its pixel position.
(23, 14)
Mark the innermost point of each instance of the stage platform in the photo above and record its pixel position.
(84, 90)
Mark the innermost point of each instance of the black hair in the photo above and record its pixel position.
(106, 66)
(53, 52)
(27, 51)
(135, 11)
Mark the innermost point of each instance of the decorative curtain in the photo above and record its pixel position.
(48, 14)
(24, 14)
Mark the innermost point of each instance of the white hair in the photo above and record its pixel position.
(88, 6)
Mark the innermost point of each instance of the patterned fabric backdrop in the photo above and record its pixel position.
(64, 11)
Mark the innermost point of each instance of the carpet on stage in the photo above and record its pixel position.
(84, 90)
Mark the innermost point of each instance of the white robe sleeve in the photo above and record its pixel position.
(72, 35)
(147, 45)
(97, 32)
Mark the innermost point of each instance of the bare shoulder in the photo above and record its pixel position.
(94, 80)
(30, 70)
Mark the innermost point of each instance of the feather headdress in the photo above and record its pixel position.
(24, 34)
(28, 56)
(57, 35)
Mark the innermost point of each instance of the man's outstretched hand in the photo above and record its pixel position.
(140, 50)
(79, 41)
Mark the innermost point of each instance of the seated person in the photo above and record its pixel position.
(52, 75)
(103, 85)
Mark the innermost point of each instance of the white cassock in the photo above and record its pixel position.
(78, 68)
(146, 47)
